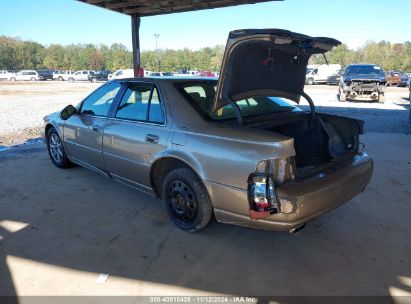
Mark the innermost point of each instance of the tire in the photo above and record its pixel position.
(342, 97)
(186, 200)
(33, 79)
(93, 79)
(60, 78)
(71, 79)
(56, 150)
(12, 79)
(310, 81)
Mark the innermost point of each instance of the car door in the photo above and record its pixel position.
(135, 134)
(83, 133)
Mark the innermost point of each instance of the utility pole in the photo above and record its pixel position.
(158, 63)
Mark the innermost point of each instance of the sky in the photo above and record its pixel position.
(68, 21)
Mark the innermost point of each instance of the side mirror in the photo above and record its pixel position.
(67, 112)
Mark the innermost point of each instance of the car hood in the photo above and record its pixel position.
(364, 77)
(266, 62)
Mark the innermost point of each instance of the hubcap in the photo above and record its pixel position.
(56, 148)
(181, 202)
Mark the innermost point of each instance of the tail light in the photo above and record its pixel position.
(262, 196)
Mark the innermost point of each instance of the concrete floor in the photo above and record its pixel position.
(59, 229)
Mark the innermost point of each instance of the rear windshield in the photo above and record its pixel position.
(201, 96)
(364, 69)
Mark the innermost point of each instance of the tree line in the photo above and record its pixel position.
(16, 54)
(390, 56)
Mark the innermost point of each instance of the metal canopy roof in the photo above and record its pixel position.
(144, 8)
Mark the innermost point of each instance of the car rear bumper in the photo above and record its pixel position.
(301, 200)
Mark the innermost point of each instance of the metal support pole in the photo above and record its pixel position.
(135, 33)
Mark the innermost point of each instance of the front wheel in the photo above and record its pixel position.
(186, 200)
(71, 79)
(342, 97)
(93, 79)
(56, 150)
(310, 81)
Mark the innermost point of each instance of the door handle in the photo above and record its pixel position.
(96, 128)
(152, 139)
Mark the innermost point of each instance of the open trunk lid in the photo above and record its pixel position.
(266, 62)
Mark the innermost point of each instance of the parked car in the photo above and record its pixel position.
(100, 76)
(320, 73)
(362, 82)
(26, 75)
(393, 78)
(404, 81)
(6, 75)
(238, 147)
(45, 74)
(121, 74)
(80, 75)
(335, 78)
(62, 75)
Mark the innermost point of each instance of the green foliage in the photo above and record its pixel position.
(16, 54)
(390, 56)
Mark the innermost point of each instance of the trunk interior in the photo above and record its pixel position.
(319, 141)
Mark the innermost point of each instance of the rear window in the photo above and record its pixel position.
(201, 95)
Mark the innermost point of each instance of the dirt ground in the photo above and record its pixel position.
(24, 104)
(61, 229)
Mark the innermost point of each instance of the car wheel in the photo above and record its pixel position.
(71, 79)
(310, 81)
(33, 79)
(60, 78)
(56, 150)
(186, 200)
(93, 79)
(342, 97)
(12, 79)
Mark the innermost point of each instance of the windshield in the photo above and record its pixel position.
(309, 70)
(364, 69)
(201, 95)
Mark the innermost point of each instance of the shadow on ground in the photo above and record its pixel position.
(74, 220)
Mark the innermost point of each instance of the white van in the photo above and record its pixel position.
(26, 75)
(319, 73)
(119, 74)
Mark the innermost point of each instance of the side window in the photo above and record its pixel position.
(98, 103)
(156, 114)
(141, 102)
(134, 105)
(85, 72)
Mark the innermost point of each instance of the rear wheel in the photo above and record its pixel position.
(60, 78)
(12, 79)
(71, 79)
(33, 79)
(93, 79)
(342, 97)
(186, 200)
(310, 81)
(56, 150)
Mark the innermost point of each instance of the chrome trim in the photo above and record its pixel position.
(132, 184)
(126, 159)
(88, 166)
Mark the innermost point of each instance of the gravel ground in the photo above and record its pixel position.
(24, 104)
